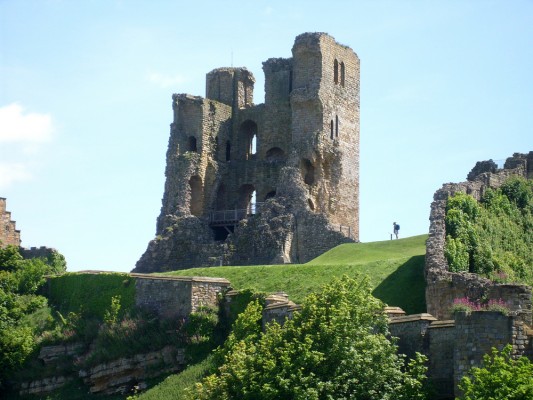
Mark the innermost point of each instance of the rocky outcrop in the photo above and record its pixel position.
(50, 354)
(46, 385)
(122, 375)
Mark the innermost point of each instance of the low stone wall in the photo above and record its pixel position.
(174, 297)
(441, 352)
(455, 346)
(278, 308)
(411, 331)
(475, 335)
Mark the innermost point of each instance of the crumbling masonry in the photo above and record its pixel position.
(9, 234)
(271, 183)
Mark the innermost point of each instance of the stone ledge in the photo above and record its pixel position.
(412, 318)
(159, 277)
(181, 278)
(449, 323)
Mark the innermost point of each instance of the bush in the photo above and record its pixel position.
(493, 238)
(335, 347)
(500, 377)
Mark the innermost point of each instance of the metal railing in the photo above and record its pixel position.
(344, 230)
(229, 217)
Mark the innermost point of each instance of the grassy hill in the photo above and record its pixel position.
(395, 269)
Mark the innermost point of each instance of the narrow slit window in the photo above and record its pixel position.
(336, 72)
(343, 74)
(228, 150)
(336, 126)
(331, 130)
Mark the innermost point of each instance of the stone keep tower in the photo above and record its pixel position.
(268, 183)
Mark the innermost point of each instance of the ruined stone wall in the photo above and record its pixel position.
(37, 252)
(442, 286)
(325, 125)
(172, 297)
(9, 235)
(309, 122)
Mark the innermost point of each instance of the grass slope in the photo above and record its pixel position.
(395, 269)
(175, 386)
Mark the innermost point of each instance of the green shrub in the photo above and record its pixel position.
(91, 294)
(336, 347)
(500, 377)
(493, 238)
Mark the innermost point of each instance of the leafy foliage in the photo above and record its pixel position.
(336, 347)
(91, 294)
(20, 281)
(500, 377)
(494, 237)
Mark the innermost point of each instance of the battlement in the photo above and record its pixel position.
(9, 234)
(231, 86)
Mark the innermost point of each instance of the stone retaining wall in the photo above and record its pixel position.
(174, 297)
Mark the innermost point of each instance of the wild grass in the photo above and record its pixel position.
(90, 294)
(175, 386)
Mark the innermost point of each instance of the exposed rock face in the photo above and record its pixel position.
(120, 376)
(300, 148)
(50, 354)
(46, 385)
(444, 286)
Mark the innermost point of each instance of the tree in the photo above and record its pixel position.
(336, 347)
(500, 377)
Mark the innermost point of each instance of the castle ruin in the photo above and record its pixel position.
(9, 234)
(270, 183)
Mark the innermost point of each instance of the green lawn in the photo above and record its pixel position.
(395, 269)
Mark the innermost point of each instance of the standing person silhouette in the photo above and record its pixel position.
(396, 228)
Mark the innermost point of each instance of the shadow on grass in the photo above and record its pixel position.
(405, 287)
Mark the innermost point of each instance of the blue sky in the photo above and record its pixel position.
(85, 103)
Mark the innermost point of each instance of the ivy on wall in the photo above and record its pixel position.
(493, 237)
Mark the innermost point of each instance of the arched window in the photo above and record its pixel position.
(275, 154)
(248, 131)
(192, 144)
(331, 130)
(336, 72)
(228, 150)
(270, 195)
(197, 201)
(308, 171)
(221, 198)
(246, 197)
(343, 72)
(336, 126)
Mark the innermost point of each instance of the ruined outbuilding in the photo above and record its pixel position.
(270, 183)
